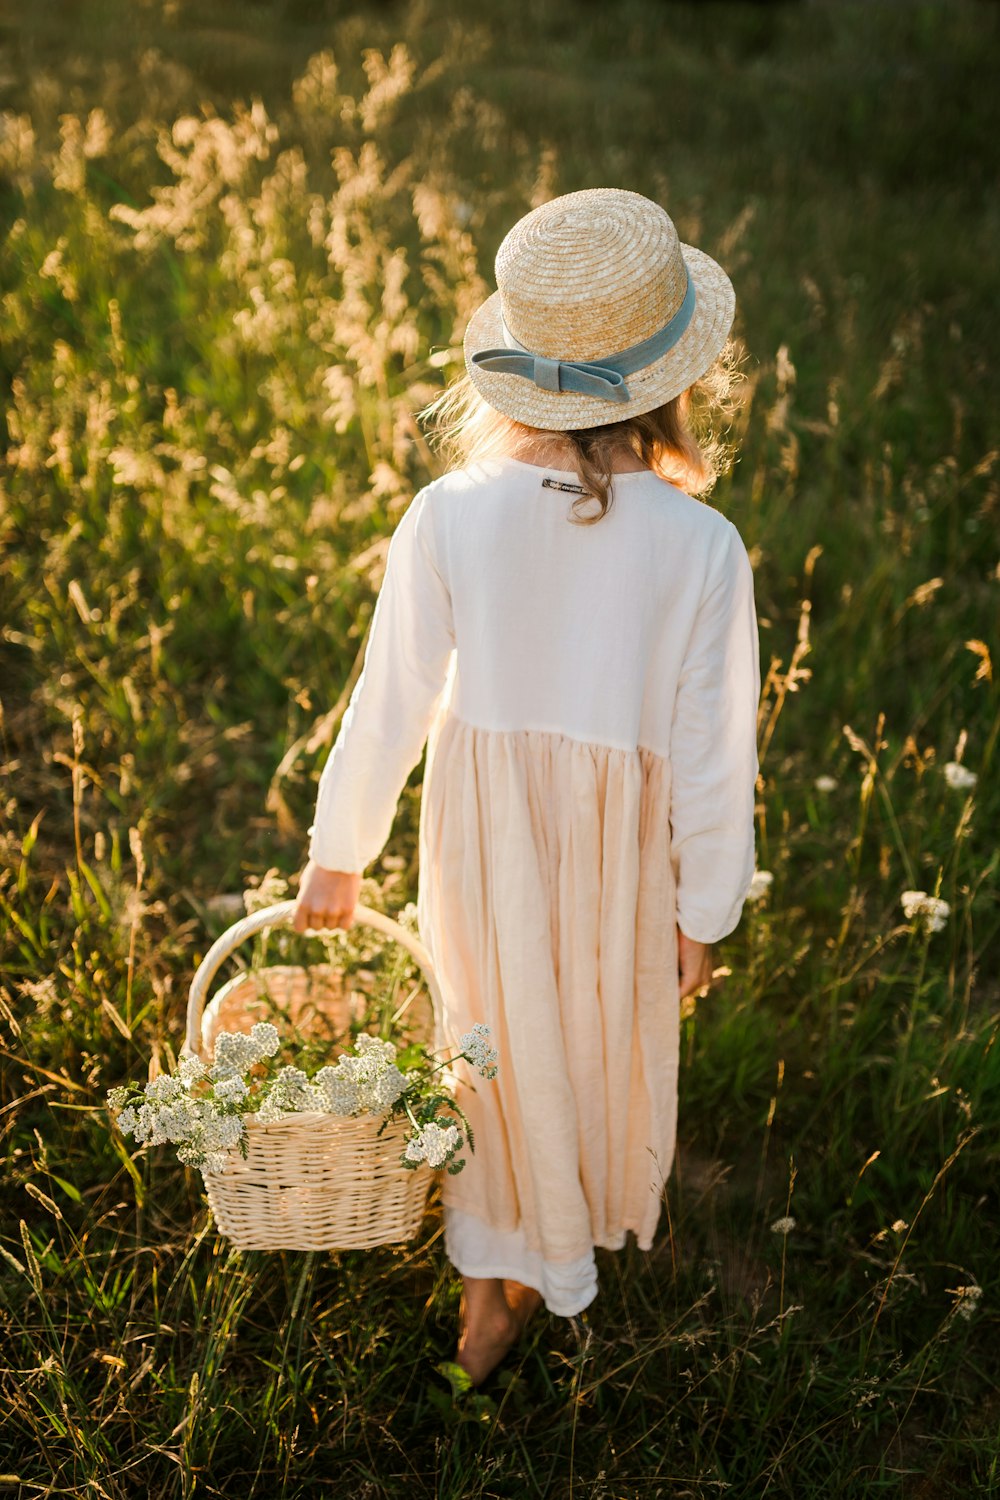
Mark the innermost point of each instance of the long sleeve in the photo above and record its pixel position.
(385, 725)
(714, 750)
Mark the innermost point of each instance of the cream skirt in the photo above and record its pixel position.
(546, 900)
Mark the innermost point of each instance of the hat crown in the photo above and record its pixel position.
(590, 274)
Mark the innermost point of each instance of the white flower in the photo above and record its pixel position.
(783, 1226)
(290, 1091)
(230, 1090)
(374, 1047)
(967, 1299)
(338, 1090)
(760, 885)
(270, 1111)
(236, 1052)
(214, 1161)
(367, 1083)
(931, 911)
(164, 1089)
(477, 1049)
(959, 777)
(435, 1144)
(408, 917)
(265, 1038)
(825, 784)
(272, 888)
(191, 1070)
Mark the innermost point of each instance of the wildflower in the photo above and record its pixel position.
(338, 1090)
(43, 991)
(164, 1089)
(435, 1144)
(196, 1127)
(783, 1226)
(959, 777)
(289, 1091)
(209, 1145)
(368, 1083)
(760, 885)
(236, 1052)
(215, 1161)
(930, 910)
(374, 1048)
(230, 1090)
(272, 888)
(825, 784)
(191, 1070)
(478, 1050)
(967, 1299)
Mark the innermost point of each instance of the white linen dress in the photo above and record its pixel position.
(588, 698)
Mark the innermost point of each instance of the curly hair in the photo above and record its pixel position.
(680, 440)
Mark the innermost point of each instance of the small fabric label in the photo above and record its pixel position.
(569, 489)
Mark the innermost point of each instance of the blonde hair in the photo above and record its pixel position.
(679, 440)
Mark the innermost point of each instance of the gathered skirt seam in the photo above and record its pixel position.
(528, 731)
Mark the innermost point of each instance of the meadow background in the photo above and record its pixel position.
(239, 248)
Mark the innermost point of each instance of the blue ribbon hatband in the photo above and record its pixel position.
(604, 379)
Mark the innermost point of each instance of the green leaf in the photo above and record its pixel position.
(67, 1188)
(95, 885)
(458, 1379)
(130, 1168)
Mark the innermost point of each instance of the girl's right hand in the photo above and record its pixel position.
(326, 898)
(694, 964)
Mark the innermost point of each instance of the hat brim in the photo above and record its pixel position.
(561, 411)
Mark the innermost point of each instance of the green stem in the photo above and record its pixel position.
(447, 1063)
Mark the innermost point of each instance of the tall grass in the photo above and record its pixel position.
(218, 321)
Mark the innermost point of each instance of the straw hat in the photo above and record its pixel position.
(600, 314)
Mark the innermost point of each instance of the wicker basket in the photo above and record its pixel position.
(311, 1181)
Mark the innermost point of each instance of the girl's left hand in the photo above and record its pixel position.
(694, 964)
(326, 898)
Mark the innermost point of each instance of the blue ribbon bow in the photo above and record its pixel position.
(604, 379)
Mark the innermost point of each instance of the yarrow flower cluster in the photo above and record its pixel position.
(967, 1299)
(290, 1091)
(236, 1052)
(203, 1134)
(959, 777)
(200, 1109)
(760, 885)
(368, 1083)
(930, 911)
(476, 1048)
(435, 1144)
(783, 1226)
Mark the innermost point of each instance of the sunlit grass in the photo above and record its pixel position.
(217, 327)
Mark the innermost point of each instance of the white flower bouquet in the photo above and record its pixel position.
(309, 1095)
(200, 1109)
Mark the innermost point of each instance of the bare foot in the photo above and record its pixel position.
(524, 1302)
(482, 1346)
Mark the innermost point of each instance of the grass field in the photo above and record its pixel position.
(240, 247)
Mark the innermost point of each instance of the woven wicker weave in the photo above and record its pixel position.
(311, 1181)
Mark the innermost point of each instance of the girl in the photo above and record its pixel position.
(574, 638)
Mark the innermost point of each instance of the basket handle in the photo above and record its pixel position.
(280, 915)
